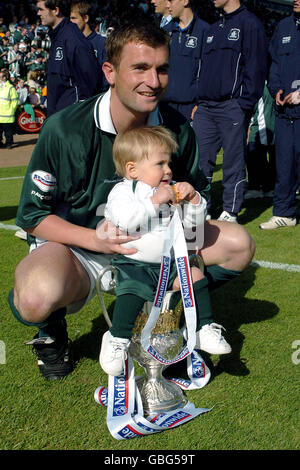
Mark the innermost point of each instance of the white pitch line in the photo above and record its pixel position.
(259, 263)
(271, 265)
(8, 227)
(11, 178)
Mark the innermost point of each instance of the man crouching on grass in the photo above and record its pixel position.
(71, 173)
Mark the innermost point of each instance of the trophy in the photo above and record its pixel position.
(158, 394)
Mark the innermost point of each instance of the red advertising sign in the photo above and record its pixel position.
(26, 124)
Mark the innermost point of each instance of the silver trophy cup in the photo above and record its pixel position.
(157, 393)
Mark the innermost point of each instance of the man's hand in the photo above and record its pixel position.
(193, 112)
(292, 98)
(109, 239)
(278, 99)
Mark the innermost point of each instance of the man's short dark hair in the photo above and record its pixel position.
(63, 5)
(146, 32)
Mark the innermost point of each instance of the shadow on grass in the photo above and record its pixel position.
(9, 212)
(253, 207)
(88, 345)
(230, 308)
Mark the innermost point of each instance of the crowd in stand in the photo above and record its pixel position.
(25, 43)
(270, 18)
(24, 50)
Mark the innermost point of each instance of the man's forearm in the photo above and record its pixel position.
(56, 229)
(105, 239)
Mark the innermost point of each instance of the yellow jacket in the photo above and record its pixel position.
(8, 102)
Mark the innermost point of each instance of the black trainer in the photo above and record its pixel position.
(55, 358)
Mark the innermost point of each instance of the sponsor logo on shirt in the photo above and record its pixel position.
(286, 39)
(234, 34)
(59, 55)
(40, 196)
(209, 39)
(43, 180)
(191, 42)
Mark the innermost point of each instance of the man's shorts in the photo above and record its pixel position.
(93, 263)
(140, 278)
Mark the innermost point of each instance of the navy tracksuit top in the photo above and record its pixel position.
(285, 66)
(73, 72)
(98, 43)
(185, 60)
(234, 60)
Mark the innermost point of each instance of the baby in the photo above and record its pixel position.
(141, 204)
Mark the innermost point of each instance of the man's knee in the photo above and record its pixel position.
(245, 240)
(243, 246)
(32, 305)
(228, 245)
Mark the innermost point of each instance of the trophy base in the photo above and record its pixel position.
(159, 395)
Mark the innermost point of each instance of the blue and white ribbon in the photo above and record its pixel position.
(174, 237)
(125, 417)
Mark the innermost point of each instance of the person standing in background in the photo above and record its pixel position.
(232, 78)
(261, 150)
(73, 72)
(284, 86)
(162, 12)
(81, 14)
(8, 107)
(187, 32)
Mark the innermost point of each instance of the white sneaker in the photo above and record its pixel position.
(227, 217)
(210, 339)
(277, 222)
(21, 234)
(254, 194)
(113, 354)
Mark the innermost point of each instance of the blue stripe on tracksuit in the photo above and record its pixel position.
(232, 77)
(223, 124)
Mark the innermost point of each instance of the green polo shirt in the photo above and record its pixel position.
(71, 171)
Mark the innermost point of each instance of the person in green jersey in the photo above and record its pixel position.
(70, 175)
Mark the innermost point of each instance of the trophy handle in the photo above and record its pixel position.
(110, 290)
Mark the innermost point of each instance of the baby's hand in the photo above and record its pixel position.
(163, 195)
(186, 192)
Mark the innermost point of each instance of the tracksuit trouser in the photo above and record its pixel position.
(223, 124)
(287, 147)
(8, 130)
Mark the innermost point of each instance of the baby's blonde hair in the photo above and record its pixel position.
(134, 145)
